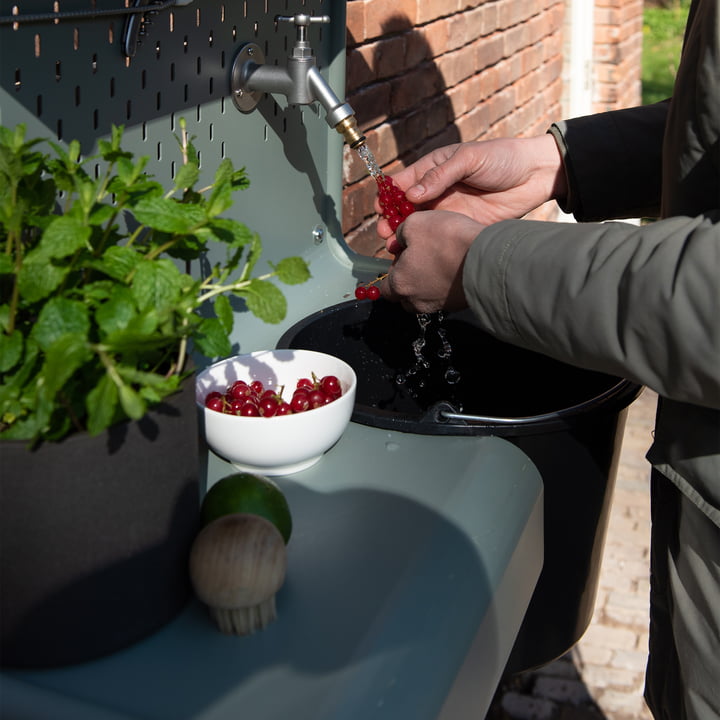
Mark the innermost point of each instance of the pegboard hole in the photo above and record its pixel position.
(18, 81)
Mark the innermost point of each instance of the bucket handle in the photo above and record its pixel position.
(451, 415)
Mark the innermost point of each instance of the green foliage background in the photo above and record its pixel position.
(663, 28)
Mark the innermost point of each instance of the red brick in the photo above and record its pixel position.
(360, 67)
(371, 104)
(383, 18)
(355, 22)
(416, 48)
(414, 87)
(436, 37)
(456, 66)
(390, 56)
(429, 10)
(488, 50)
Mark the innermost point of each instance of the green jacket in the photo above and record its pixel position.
(636, 301)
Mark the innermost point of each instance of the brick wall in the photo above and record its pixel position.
(425, 73)
(618, 51)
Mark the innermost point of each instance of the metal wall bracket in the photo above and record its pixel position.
(245, 100)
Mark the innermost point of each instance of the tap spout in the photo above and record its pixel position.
(299, 81)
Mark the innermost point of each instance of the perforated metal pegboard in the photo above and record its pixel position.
(72, 80)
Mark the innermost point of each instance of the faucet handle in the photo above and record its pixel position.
(302, 19)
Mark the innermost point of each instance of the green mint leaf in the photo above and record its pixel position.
(157, 284)
(292, 270)
(163, 384)
(224, 312)
(101, 404)
(129, 171)
(187, 176)
(117, 262)
(58, 317)
(265, 301)
(11, 348)
(38, 277)
(169, 215)
(66, 355)
(220, 200)
(132, 403)
(230, 232)
(116, 313)
(212, 340)
(64, 236)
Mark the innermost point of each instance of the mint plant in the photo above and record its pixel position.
(97, 304)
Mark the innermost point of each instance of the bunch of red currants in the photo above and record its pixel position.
(254, 400)
(395, 206)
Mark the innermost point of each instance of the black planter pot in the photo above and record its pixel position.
(568, 421)
(94, 536)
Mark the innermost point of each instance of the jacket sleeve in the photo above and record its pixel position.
(640, 302)
(627, 181)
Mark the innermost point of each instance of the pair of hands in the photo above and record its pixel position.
(460, 189)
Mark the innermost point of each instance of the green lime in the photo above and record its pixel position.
(247, 493)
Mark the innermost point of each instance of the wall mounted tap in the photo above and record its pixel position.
(300, 80)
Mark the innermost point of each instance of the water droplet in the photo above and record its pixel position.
(452, 376)
(392, 446)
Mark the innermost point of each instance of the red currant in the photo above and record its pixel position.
(249, 410)
(373, 292)
(269, 406)
(317, 398)
(284, 409)
(238, 389)
(406, 208)
(394, 221)
(330, 385)
(234, 407)
(300, 402)
(360, 292)
(214, 401)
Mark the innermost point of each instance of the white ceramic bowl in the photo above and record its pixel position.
(283, 444)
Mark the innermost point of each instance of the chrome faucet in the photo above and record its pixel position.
(300, 81)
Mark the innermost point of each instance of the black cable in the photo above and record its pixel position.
(76, 14)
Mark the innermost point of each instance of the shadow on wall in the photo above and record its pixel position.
(403, 106)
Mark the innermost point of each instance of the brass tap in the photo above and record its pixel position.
(348, 128)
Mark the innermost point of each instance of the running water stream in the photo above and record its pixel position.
(414, 378)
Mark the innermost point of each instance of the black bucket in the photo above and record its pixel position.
(568, 421)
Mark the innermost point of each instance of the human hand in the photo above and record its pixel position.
(427, 275)
(487, 181)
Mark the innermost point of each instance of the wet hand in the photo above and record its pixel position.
(426, 274)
